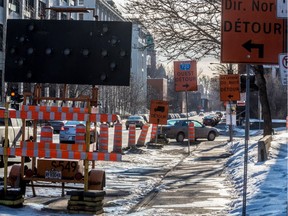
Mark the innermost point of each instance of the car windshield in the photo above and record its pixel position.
(134, 118)
(72, 123)
(197, 124)
(172, 122)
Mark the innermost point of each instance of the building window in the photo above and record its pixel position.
(1, 37)
(42, 11)
(63, 16)
(81, 16)
(14, 6)
(1, 3)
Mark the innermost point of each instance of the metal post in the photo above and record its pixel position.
(230, 125)
(247, 128)
(187, 121)
(5, 155)
(230, 71)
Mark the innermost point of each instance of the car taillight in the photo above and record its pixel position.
(64, 128)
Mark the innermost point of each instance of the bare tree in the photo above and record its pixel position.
(186, 28)
(190, 29)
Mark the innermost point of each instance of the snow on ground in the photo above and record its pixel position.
(266, 188)
(267, 181)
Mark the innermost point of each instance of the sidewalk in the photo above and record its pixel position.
(196, 186)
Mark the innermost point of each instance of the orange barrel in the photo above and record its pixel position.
(46, 134)
(132, 135)
(153, 132)
(142, 138)
(191, 132)
(103, 138)
(117, 145)
(80, 134)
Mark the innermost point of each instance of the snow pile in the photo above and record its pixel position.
(267, 181)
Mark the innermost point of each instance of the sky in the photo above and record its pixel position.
(203, 65)
(266, 186)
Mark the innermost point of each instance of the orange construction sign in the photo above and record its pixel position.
(251, 32)
(185, 76)
(230, 87)
(158, 112)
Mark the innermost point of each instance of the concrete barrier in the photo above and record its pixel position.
(263, 148)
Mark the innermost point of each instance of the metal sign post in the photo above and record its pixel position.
(187, 122)
(247, 128)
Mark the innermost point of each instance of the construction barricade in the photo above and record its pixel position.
(80, 134)
(103, 138)
(46, 134)
(117, 144)
(132, 135)
(153, 132)
(46, 147)
(142, 138)
(191, 132)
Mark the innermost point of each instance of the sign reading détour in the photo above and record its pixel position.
(251, 32)
(185, 75)
(158, 112)
(230, 87)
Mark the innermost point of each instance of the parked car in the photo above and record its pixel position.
(68, 132)
(179, 130)
(211, 120)
(137, 120)
(57, 125)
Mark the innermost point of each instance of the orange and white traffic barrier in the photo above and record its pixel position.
(153, 132)
(46, 134)
(92, 156)
(44, 115)
(191, 132)
(132, 135)
(51, 146)
(80, 134)
(142, 138)
(117, 145)
(103, 138)
(54, 109)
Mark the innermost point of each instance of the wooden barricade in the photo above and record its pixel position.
(142, 138)
(132, 135)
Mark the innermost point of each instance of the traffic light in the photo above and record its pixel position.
(15, 96)
(253, 86)
(19, 98)
(13, 93)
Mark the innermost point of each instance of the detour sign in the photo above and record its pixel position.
(230, 87)
(158, 112)
(185, 76)
(251, 32)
